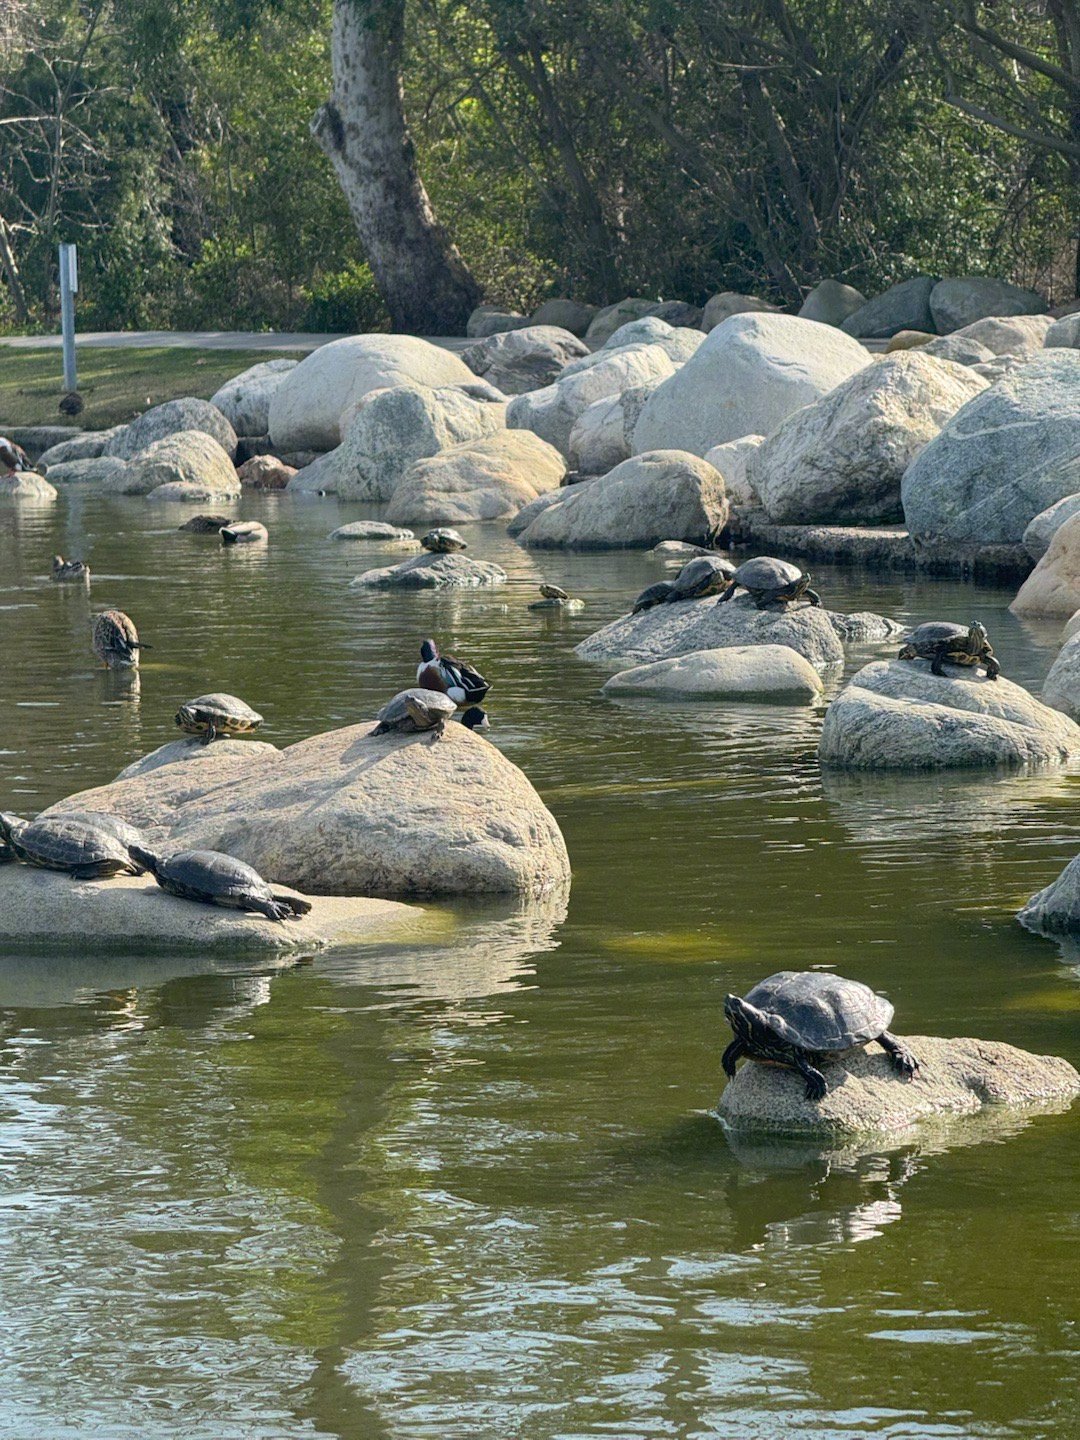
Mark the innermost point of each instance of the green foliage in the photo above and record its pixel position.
(348, 300)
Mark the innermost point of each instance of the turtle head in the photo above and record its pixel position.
(146, 858)
(475, 718)
(429, 651)
(740, 1016)
(977, 637)
(9, 824)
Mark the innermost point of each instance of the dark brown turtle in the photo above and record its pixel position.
(769, 582)
(214, 878)
(81, 844)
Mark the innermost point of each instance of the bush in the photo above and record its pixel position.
(346, 301)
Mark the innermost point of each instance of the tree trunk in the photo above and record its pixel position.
(11, 274)
(426, 285)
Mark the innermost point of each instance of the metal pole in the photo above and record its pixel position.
(69, 283)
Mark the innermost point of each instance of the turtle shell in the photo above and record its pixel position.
(931, 634)
(432, 703)
(214, 876)
(102, 820)
(554, 592)
(227, 713)
(704, 575)
(765, 572)
(652, 595)
(443, 541)
(71, 842)
(820, 1012)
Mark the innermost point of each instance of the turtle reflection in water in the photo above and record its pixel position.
(939, 641)
(797, 1017)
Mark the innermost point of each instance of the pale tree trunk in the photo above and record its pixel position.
(11, 274)
(426, 285)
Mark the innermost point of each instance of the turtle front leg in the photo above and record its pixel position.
(812, 596)
(815, 1080)
(899, 1054)
(937, 666)
(735, 1051)
(211, 733)
(993, 669)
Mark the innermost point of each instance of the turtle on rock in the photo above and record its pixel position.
(116, 642)
(456, 678)
(411, 712)
(244, 532)
(769, 582)
(443, 541)
(704, 575)
(940, 641)
(65, 571)
(214, 878)
(556, 598)
(652, 595)
(81, 844)
(796, 1018)
(217, 714)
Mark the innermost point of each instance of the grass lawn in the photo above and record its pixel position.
(116, 385)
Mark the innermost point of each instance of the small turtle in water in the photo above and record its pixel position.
(81, 844)
(217, 714)
(702, 576)
(443, 542)
(116, 642)
(244, 532)
(13, 458)
(453, 677)
(214, 878)
(206, 524)
(939, 641)
(652, 595)
(769, 581)
(556, 598)
(797, 1017)
(68, 570)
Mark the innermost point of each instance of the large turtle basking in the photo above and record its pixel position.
(797, 1017)
(704, 575)
(443, 541)
(769, 581)
(939, 641)
(217, 714)
(214, 878)
(80, 844)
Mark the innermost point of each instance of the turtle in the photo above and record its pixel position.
(214, 878)
(116, 642)
(443, 541)
(206, 524)
(217, 714)
(411, 711)
(554, 592)
(83, 845)
(652, 595)
(244, 532)
(453, 677)
(940, 640)
(556, 598)
(769, 581)
(702, 576)
(797, 1017)
(67, 570)
(13, 458)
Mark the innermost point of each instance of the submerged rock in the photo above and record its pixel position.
(1055, 910)
(738, 672)
(435, 572)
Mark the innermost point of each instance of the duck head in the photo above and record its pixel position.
(474, 718)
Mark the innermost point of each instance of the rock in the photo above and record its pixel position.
(865, 1094)
(376, 531)
(394, 428)
(954, 303)
(1072, 626)
(678, 342)
(189, 492)
(665, 494)
(729, 302)
(843, 457)
(908, 340)
(749, 375)
(831, 302)
(738, 672)
(488, 479)
(172, 418)
(434, 572)
(490, 320)
(603, 433)
(101, 470)
(679, 313)
(36, 439)
(320, 477)
(1047, 523)
(569, 315)
(863, 627)
(521, 360)
(192, 750)
(265, 472)
(959, 348)
(902, 307)
(670, 630)
(83, 445)
(553, 412)
(1061, 688)
(1064, 332)
(528, 513)
(896, 715)
(731, 459)
(26, 485)
(997, 463)
(191, 457)
(1055, 910)
(1053, 587)
(1009, 334)
(606, 321)
(679, 551)
(351, 813)
(318, 396)
(245, 399)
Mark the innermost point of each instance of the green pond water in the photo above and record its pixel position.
(467, 1185)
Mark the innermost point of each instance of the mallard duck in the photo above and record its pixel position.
(63, 570)
(116, 642)
(450, 676)
(13, 458)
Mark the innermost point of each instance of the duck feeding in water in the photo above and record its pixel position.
(116, 642)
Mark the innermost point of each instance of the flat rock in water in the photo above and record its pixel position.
(896, 715)
(189, 492)
(375, 531)
(667, 631)
(739, 672)
(865, 1094)
(26, 485)
(434, 572)
(41, 909)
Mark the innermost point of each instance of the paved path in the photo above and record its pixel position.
(193, 340)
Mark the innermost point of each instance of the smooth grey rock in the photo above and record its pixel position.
(1064, 332)
(517, 361)
(487, 479)
(26, 485)
(103, 470)
(191, 457)
(1000, 460)
(1047, 523)
(488, 320)
(721, 307)
(831, 302)
(959, 348)
(245, 399)
(905, 306)
(1055, 910)
(679, 313)
(606, 321)
(565, 314)
(172, 418)
(434, 572)
(954, 303)
(376, 531)
(732, 459)
(1053, 587)
(1061, 688)
(319, 477)
(1015, 335)
(679, 342)
(738, 672)
(603, 433)
(528, 513)
(896, 715)
(83, 445)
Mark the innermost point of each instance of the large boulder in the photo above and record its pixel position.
(434, 572)
(604, 431)
(841, 460)
(170, 419)
(831, 302)
(738, 672)
(351, 813)
(1009, 334)
(86, 445)
(1053, 587)
(954, 303)
(553, 412)
(679, 313)
(565, 314)
(308, 408)
(959, 348)
(731, 459)
(670, 630)
(488, 479)
(865, 1095)
(488, 320)
(1061, 688)
(998, 462)
(721, 307)
(528, 513)
(902, 307)
(679, 341)
(1047, 523)
(517, 361)
(606, 321)
(751, 373)
(245, 399)
(1055, 910)
(190, 457)
(26, 485)
(897, 715)
(394, 428)
(664, 495)
(102, 471)
(1064, 332)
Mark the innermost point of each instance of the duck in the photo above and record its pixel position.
(450, 676)
(63, 570)
(13, 458)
